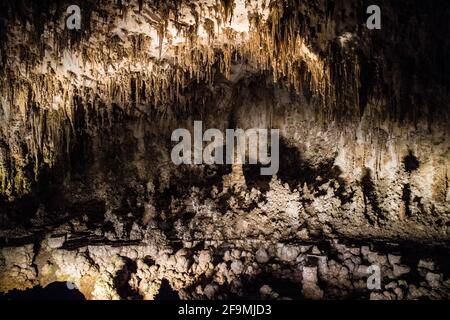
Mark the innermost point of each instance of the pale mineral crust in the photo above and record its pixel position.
(89, 194)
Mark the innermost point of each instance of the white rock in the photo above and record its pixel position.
(365, 250)
(376, 258)
(400, 270)
(288, 253)
(361, 271)
(433, 279)
(171, 262)
(377, 296)
(55, 243)
(210, 291)
(315, 250)
(426, 264)
(355, 251)
(227, 256)
(310, 289)
(304, 249)
(182, 264)
(394, 259)
(265, 290)
(391, 285)
(204, 257)
(237, 267)
(399, 293)
(236, 254)
(262, 256)
(182, 252)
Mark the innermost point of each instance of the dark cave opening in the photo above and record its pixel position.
(166, 292)
(53, 291)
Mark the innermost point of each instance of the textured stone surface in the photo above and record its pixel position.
(88, 193)
(107, 272)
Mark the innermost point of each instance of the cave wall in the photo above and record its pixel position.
(86, 118)
(367, 110)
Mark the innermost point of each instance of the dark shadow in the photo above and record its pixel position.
(54, 291)
(254, 179)
(121, 281)
(166, 292)
(296, 171)
(406, 197)
(410, 162)
(286, 288)
(370, 196)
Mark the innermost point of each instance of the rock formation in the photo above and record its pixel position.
(89, 194)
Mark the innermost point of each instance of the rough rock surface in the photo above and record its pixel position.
(218, 269)
(89, 194)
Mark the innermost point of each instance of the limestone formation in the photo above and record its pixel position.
(89, 194)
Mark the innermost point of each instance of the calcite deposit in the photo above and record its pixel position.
(90, 197)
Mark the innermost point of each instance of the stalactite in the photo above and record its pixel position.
(194, 59)
(100, 66)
